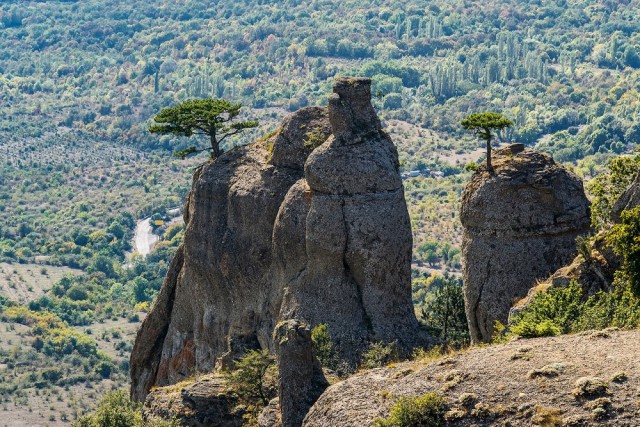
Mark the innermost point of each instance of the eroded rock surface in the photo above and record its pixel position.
(521, 383)
(208, 402)
(343, 235)
(278, 231)
(300, 376)
(520, 225)
(628, 200)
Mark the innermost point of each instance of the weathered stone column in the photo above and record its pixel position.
(520, 225)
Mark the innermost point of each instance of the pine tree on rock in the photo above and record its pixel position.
(482, 125)
(211, 117)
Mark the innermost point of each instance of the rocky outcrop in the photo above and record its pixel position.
(523, 383)
(628, 200)
(343, 234)
(593, 269)
(208, 402)
(279, 230)
(300, 376)
(520, 225)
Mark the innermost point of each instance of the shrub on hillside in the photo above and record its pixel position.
(115, 409)
(564, 310)
(422, 411)
(625, 241)
(249, 377)
(380, 354)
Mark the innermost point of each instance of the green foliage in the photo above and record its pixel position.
(114, 410)
(444, 313)
(565, 310)
(583, 244)
(314, 139)
(422, 411)
(471, 167)
(323, 346)
(483, 125)
(528, 329)
(213, 118)
(248, 377)
(550, 313)
(625, 240)
(607, 187)
(379, 354)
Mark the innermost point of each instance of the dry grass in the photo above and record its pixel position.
(23, 283)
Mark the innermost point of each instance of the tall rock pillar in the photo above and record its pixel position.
(520, 225)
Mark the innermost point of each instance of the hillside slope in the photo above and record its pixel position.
(521, 383)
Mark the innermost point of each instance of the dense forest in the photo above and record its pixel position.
(81, 80)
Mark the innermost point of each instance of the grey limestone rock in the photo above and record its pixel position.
(301, 380)
(520, 225)
(208, 402)
(278, 230)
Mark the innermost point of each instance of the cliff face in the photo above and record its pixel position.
(520, 225)
(278, 231)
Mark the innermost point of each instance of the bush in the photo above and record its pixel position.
(323, 345)
(550, 313)
(114, 410)
(379, 354)
(248, 377)
(562, 310)
(445, 315)
(625, 240)
(607, 188)
(422, 411)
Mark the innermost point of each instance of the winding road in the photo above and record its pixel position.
(144, 239)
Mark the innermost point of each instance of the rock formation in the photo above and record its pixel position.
(276, 231)
(301, 380)
(595, 267)
(520, 225)
(208, 402)
(343, 234)
(594, 274)
(628, 200)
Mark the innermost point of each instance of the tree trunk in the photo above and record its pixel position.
(489, 166)
(214, 145)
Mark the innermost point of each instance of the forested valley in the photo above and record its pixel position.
(80, 82)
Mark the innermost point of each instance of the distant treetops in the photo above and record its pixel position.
(482, 125)
(211, 117)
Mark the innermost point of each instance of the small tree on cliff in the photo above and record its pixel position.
(482, 125)
(211, 117)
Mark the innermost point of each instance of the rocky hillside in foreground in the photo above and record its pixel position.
(590, 379)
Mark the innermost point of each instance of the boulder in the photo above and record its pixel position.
(520, 223)
(207, 402)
